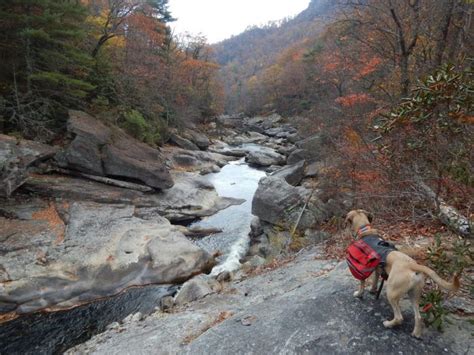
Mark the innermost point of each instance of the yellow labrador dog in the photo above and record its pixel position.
(405, 276)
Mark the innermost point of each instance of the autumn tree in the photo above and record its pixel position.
(414, 36)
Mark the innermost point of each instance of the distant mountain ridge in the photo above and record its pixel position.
(245, 55)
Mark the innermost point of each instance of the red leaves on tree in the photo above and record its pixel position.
(353, 99)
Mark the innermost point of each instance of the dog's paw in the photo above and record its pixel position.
(358, 294)
(392, 323)
(416, 334)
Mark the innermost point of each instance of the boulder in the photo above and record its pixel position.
(303, 306)
(265, 157)
(260, 246)
(314, 169)
(18, 159)
(198, 138)
(292, 174)
(286, 149)
(316, 236)
(182, 142)
(246, 138)
(102, 250)
(105, 151)
(252, 263)
(296, 156)
(283, 131)
(193, 290)
(256, 228)
(280, 204)
(225, 149)
(271, 121)
(312, 147)
(194, 160)
(293, 138)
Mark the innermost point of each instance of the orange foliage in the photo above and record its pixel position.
(51, 216)
(353, 99)
(369, 67)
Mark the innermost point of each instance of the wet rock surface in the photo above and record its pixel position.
(305, 306)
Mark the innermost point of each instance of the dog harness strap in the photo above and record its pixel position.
(363, 229)
(379, 291)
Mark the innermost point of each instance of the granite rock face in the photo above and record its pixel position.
(292, 174)
(305, 306)
(280, 204)
(18, 159)
(61, 255)
(192, 196)
(105, 151)
(265, 157)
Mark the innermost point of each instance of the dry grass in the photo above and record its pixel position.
(219, 319)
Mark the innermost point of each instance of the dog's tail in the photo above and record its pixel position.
(452, 286)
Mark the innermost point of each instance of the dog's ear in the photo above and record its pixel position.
(349, 217)
(369, 215)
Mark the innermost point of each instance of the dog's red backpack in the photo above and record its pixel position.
(362, 259)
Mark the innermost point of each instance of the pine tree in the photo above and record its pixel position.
(43, 68)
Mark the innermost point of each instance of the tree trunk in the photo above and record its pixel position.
(442, 39)
(448, 215)
(404, 75)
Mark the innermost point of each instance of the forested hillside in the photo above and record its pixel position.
(244, 58)
(114, 58)
(387, 84)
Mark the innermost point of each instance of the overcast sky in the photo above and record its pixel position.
(220, 19)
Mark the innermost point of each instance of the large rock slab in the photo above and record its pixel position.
(17, 160)
(312, 147)
(280, 204)
(265, 157)
(183, 142)
(99, 250)
(305, 306)
(292, 174)
(246, 138)
(194, 160)
(198, 138)
(192, 196)
(227, 150)
(106, 151)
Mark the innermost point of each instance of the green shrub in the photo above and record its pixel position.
(144, 130)
(135, 124)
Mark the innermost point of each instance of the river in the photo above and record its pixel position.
(238, 180)
(52, 333)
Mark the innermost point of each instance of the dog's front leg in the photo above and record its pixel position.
(375, 280)
(360, 292)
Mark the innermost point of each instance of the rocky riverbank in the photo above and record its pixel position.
(303, 306)
(103, 213)
(93, 216)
